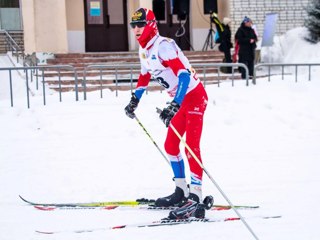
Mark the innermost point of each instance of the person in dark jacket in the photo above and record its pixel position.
(225, 38)
(246, 38)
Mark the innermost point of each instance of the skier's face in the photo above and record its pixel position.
(137, 31)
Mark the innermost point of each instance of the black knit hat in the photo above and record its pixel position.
(139, 16)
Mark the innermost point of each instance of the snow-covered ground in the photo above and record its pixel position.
(260, 143)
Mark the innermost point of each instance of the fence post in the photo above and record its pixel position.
(43, 87)
(84, 83)
(11, 91)
(27, 86)
(101, 94)
(116, 82)
(76, 83)
(60, 96)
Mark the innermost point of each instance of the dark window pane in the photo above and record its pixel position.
(9, 3)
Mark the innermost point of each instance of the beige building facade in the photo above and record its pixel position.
(64, 26)
(59, 26)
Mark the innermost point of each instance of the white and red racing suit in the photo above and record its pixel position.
(163, 60)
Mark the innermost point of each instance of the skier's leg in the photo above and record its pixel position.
(197, 103)
(193, 136)
(172, 148)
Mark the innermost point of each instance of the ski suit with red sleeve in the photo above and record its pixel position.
(163, 60)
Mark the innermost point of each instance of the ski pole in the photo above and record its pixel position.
(145, 130)
(211, 178)
(213, 181)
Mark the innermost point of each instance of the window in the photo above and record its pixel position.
(9, 3)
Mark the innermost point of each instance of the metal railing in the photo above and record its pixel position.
(13, 46)
(33, 73)
(102, 67)
(29, 78)
(199, 66)
(129, 75)
(283, 66)
(205, 66)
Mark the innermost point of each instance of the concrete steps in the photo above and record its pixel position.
(119, 79)
(16, 35)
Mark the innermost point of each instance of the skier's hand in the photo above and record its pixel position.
(167, 113)
(133, 104)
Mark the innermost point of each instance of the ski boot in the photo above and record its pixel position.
(192, 208)
(177, 197)
(171, 200)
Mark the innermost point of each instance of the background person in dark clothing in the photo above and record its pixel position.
(246, 38)
(225, 38)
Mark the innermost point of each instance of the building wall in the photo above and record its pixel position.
(291, 13)
(59, 26)
(45, 26)
(200, 22)
(75, 25)
(28, 20)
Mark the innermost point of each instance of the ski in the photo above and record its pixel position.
(111, 207)
(141, 201)
(135, 207)
(143, 204)
(169, 222)
(162, 222)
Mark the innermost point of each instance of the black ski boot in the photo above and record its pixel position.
(171, 200)
(180, 194)
(192, 208)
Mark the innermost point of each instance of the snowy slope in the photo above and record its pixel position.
(260, 143)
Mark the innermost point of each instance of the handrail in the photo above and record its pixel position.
(137, 66)
(132, 66)
(57, 68)
(13, 45)
(219, 65)
(282, 65)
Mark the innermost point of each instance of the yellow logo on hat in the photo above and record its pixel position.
(136, 16)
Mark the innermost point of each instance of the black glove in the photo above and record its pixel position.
(133, 104)
(167, 113)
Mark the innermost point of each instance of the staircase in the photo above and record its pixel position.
(117, 79)
(16, 35)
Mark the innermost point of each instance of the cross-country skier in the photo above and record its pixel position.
(162, 59)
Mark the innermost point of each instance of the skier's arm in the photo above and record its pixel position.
(183, 76)
(169, 56)
(184, 79)
(143, 81)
